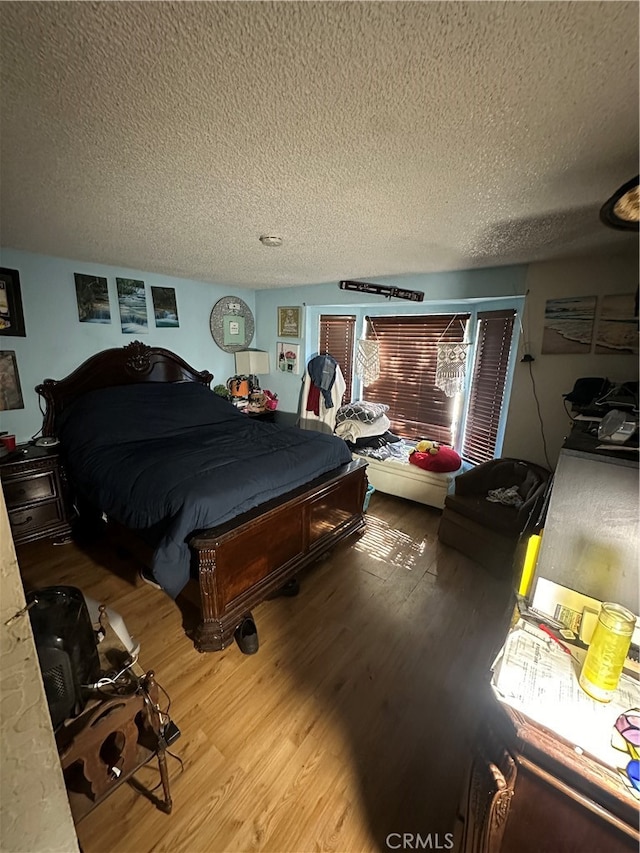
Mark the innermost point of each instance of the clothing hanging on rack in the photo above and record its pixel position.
(322, 393)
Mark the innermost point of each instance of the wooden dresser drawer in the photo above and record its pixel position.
(22, 491)
(36, 494)
(24, 521)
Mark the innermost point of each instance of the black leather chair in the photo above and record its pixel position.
(489, 532)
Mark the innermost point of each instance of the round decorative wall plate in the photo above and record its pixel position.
(231, 324)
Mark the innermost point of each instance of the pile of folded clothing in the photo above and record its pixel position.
(364, 426)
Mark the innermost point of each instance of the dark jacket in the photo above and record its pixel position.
(322, 370)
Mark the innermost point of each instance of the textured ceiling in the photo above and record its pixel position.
(375, 138)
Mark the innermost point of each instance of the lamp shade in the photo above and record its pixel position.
(252, 362)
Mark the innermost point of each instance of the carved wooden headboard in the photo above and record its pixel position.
(133, 363)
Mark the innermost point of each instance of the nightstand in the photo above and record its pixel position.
(35, 493)
(276, 417)
(267, 415)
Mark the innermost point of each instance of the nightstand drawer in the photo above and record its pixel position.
(23, 521)
(35, 492)
(22, 491)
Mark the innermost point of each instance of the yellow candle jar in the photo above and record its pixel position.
(607, 652)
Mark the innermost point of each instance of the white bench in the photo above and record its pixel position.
(395, 477)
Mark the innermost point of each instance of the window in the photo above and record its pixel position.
(495, 329)
(407, 382)
(337, 333)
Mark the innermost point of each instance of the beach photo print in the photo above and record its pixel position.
(617, 328)
(568, 325)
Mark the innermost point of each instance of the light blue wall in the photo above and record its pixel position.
(56, 342)
(443, 292)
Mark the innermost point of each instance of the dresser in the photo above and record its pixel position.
(530, 788)
(35, 493)
(543, 772)
(592, 529)
(530, 791)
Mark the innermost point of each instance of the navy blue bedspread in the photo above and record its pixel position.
(178, 453)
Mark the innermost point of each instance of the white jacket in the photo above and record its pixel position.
(325, 421)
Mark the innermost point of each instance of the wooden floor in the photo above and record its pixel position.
(352, 721)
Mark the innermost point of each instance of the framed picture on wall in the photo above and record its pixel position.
(568, 325)
(10, 390)
(132, 301)
(231, 324)
(617, 328)
(233, 330)
(290, 322)
(288, 356)
(165, 308)
(93, 298)
(11, 316)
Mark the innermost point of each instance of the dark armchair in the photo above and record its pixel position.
(489, 532)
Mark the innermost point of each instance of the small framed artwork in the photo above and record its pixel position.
(165, 308)
(617, 328)
(568, 325)
(289, 322)
(132, 301)
(11, 316)
(93, 298)
(288, 357)
(10, 391)
(233, 330)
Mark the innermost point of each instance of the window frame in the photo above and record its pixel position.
(474, 306)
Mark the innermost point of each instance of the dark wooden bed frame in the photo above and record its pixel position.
(241, 563)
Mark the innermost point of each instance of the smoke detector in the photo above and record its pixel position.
(270, 240)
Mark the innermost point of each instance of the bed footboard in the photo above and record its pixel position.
(240, 564)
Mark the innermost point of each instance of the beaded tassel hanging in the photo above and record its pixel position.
(451, 367)
(368, 360)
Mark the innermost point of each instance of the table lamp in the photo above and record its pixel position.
(252, 363)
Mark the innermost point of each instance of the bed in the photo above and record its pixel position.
(237, 505)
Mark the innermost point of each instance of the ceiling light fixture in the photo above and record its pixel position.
(270, 240)
(622, 210)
